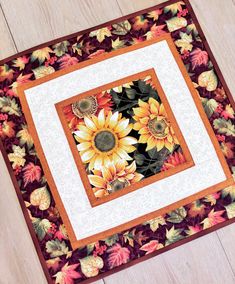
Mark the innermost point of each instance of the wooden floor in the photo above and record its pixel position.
(25, 23)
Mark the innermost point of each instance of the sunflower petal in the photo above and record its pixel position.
(96, 181)
(128, 140)
(121, 125)
(87, 155)
(113, 120)
(83, 146)
(90, 124)
(83, 135)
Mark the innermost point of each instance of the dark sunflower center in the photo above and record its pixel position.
(158, 127)
(85, 106)
(117, 185)
(105, 141)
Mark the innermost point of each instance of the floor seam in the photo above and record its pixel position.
(8, 27)
(225, 253)
(120, 9)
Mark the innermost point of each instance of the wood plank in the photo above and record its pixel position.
(226, 236)
(200, 261)
(218, 23)
(128, 7)
(7, 46)
(35, 22)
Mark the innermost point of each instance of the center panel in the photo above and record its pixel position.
(123, 136)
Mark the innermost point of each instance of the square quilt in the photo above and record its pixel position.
(119, 141)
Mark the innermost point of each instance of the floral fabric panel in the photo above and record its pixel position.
(123, 135)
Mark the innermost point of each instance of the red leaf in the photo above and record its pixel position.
(31, 173)
(151, 246)
(118, 255)
(199, 57)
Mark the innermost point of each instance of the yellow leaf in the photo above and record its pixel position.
(117, 43)
(41, 54)
(17, 157)
(176, 23)
(184, 42)
(209, 80)
(101, 34)
(41, 197)
(43, 71)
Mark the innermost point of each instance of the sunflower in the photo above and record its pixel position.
(104, 139)
(87, 106)
(173, 160)
(114, 177)
(153, 125)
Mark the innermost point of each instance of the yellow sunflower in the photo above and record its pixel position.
(114, 177)
(153, 125)
(104, 139)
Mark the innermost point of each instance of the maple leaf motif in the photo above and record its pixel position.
(118, 255)
(67, 60)
(7, 129)
(53, 263)
(185, 42)
(198, 58)
(139, 237)
(20, 62)
(140, 23)
(228, 112)
(151, 246)
(154, 14)
(6, 73)
(67, 274)
(21, 79)
(196, 209)
(31, 173)
(155, 31)
(193, 230)
(100, 34)
(212, 198)
(228, 149)
(213, 219)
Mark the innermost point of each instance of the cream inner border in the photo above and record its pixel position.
(87, 221)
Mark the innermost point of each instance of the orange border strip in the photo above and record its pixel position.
(77, 158)
(78, 243)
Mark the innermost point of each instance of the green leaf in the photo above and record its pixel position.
(154, 223)
(144, 88)
(111, 240)
(209, 106)
(56, 248)
(115, 97)
(139, 158)
(224, 126)
(41, 226)
(229, 191)
(177, 216)
(230, 209)
(9, 106)
(160, 156)
(121, 28)
(130, 93)
(173, 235)
(90, 248)
(60, 48)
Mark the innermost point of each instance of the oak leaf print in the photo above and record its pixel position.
(198, 58)
(118, 255)
(31, 173)
(17, 157)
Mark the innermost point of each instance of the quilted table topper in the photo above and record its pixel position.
(119, 141)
